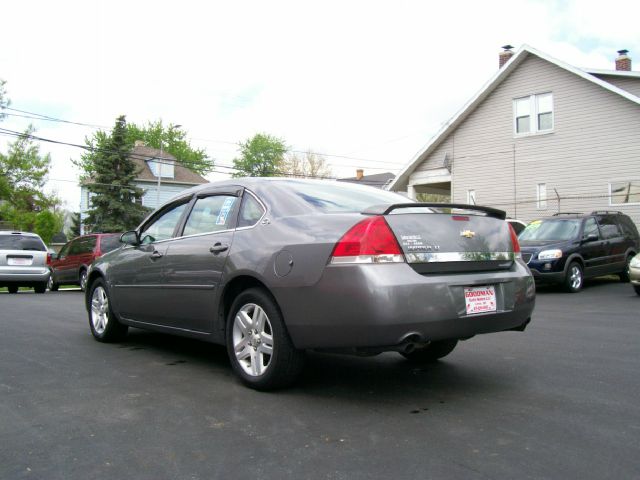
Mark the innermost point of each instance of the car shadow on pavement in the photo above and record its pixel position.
(589, 284)
(374, 380)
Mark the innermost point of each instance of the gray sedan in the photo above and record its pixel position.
(273, 267)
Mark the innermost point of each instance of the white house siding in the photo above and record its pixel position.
(630, 84)
(595, 139)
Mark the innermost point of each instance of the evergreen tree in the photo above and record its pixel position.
(76, 222)
(115, 200)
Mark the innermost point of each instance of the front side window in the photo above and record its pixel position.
(533, 114)
(210, 214)
(624, 192)
(590, 228)
(162, 227)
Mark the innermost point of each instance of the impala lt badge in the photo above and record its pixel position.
(467, 234)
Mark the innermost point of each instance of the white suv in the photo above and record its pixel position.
(23, 261)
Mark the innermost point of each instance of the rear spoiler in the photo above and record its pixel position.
(385, 209)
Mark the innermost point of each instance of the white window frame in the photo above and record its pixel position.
(533, 115)
(471, 197)
(636, 180)
(541, 196)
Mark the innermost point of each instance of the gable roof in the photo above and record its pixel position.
(141, 155)
(524, 52)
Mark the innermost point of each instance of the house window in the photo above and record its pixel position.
(471, 197)
(533, 114)
(542, 196)
(624, 192)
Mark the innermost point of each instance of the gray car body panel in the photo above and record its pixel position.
(323, 305)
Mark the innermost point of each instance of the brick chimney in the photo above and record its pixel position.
(359, 174)
(504, 55)
(623, 62)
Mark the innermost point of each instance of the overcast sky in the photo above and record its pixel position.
(362, 79)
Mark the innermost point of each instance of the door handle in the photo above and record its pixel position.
(156, 254)
(218, 248)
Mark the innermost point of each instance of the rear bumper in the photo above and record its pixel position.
(383, 305)
(26, 276)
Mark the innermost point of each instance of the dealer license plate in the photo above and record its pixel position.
(19, 261)
(480, 299)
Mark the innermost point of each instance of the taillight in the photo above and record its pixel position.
(48, 258)
(515, 242)
(369, 241)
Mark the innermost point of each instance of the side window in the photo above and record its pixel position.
(74, 247)
(162, 227)
(210, 214)
(250, 212)
(590, 228)
(608, 227)
(627, 226)
(64, 251)
(89, 244)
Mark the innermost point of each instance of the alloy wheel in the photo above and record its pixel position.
(99, 310)
(253, 339)
(575, 277)
(83, 280)
(50, 282)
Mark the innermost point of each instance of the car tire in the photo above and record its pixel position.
(432, 352)
(12, 288)
(82, 279)
(258, 344)
(624, 275)
(637, 289)
(574, 279)
(40, 288)
(51, 285)
(103, 323)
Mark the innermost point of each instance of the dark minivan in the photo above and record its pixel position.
(569, 247)
(69, 267)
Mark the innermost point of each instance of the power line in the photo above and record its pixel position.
(39, 116)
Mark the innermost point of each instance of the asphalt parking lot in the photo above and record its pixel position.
(557, 401)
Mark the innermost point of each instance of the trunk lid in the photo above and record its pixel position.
(441, 238)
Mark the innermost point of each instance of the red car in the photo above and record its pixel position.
(69, 267)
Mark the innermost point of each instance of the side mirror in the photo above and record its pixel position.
(130, 238)
(592, 237)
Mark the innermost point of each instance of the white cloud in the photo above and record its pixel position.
(369, 79)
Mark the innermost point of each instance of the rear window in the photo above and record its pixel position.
(549, 230)
(21, 242)
(342, 197)
(108, 243)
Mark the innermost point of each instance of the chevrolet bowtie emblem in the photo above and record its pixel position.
(467, 234)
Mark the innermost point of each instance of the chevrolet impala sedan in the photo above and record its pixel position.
(272, 267)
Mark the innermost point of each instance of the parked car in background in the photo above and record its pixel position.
(272, 267)
(567, 248)
(23, 261)
(634, 273)
(70, 266)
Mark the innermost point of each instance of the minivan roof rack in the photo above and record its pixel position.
(605, 212)
(567, 213)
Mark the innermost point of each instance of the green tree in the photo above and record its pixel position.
(174, 141)
(108, 174)
(307, 165)
(260, 156)
(76, 222)
(47, 224)
(23, 172)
